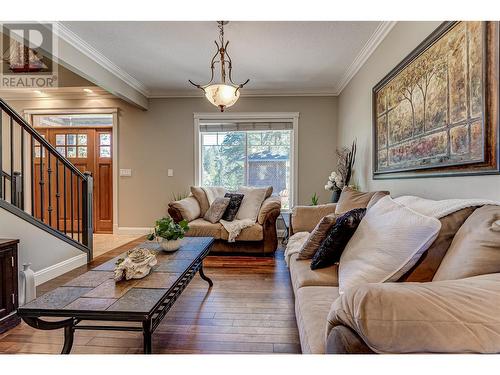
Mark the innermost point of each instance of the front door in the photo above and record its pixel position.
(89, 150)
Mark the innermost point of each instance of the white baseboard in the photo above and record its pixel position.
(133, 230)
(59, 269)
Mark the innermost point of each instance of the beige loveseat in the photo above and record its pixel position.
(449, 302)
(259, 239)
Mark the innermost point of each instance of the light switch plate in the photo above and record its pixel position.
(125, 172)
(170, 172)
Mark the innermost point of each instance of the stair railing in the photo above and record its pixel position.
(40, 185)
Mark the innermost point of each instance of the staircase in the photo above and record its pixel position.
(42, 187)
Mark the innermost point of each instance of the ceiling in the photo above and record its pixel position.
(310, 58)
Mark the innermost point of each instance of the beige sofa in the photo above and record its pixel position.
(453, 308)
(259, 239)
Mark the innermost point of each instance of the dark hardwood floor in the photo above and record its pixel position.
(250, 309)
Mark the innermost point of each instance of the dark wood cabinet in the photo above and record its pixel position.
(8, 284)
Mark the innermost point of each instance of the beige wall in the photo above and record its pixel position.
(354, 121)
(150, 142)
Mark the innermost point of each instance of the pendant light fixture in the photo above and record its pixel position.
(223, 94)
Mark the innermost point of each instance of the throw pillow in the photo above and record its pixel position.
(252, 200)
(188, 207)
(316, 237)
(201, 197)
(338, 236)
(388, 242)
(216, 210)
(428, 264)
(269, 191)
(233, 207)
(350, 199)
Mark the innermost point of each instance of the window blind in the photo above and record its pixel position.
(207, 127)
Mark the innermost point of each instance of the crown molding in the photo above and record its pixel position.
(56, 93)
(370, 46)
(85, 48)
(244, 93)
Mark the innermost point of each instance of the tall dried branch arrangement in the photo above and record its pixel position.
(345, 161)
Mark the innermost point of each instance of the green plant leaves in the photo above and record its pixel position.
(167, 229)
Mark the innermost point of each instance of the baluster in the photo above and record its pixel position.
(22, 168)
(58, 194)
(42, 183)
(12, 187)
(2, 178)
(32, 166)
(65, 196)
(71, 202)
(49, 177)
(78, 207)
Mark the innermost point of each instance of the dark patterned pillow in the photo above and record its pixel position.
(233, 207)
(331, 248)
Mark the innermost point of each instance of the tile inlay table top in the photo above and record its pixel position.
(95, 296)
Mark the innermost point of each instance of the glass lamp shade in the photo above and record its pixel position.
(221, 95)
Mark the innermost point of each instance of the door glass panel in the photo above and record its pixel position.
(60, 139)
(82, 139)
(61, 150)
(105, 152)
(71, 152)
(71, 139)
(105, 139)
(82, 152)
(37, 151)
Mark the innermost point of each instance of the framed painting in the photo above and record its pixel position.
(436, 113)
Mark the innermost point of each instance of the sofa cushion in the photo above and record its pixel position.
(216, 210)
(201, 197)
(253, 233)
(452, 316)
(475, 249)
(188, 207)
(338, 236)
(202, 228)
(388, 242)
(351, 199)
(312, 305)
(317, 236)
(375, 198)
(252, 201)
(302, 275)
(428, 264)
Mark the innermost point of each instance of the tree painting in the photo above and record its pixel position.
(430, 113)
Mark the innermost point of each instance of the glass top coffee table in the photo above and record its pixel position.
(95, 296)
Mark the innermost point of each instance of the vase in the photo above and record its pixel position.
(171, 245)
(336, 195)
(28, 289)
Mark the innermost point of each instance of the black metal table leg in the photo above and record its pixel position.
(148, 337)
(69, 333)
(204, 277)
(67, 324)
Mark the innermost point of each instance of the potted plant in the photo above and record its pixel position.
(169, 233)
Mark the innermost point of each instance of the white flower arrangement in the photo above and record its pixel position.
(335, 182)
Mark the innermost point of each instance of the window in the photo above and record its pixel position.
(72, 145)
(252, 154)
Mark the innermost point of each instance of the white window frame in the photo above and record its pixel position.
(292, 117)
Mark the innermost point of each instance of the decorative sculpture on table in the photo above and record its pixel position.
(136, 265)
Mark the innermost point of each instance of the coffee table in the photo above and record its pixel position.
(95, 296)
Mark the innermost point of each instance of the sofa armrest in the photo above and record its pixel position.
(305, 218)
(452, 316)
(184, 209)
(269, 205)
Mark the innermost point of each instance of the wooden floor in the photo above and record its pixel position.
(250, 309)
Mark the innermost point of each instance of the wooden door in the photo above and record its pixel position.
(89, 150)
